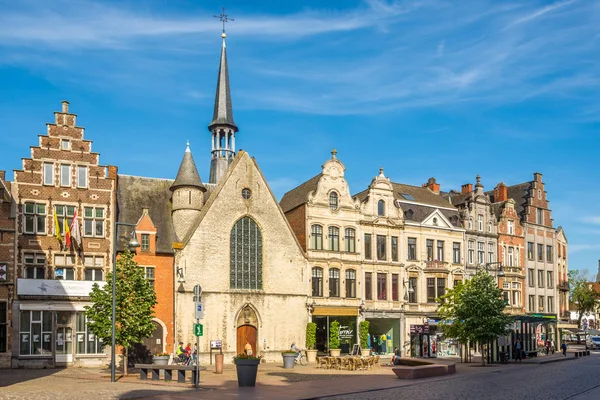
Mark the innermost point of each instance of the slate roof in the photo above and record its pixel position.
(135, 193)
(519, 193)
(299, 195)
(223, 112)
(420, 195)
(188, 173)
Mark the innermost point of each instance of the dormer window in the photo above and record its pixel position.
(65, 144)
(435, 221)
(381, 208)
(409, 213)
(480, 223)
(333, 201)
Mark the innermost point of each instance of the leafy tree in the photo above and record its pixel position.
(135, 299)
(474, 311)
(582, 295)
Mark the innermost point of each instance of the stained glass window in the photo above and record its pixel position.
(245, 255)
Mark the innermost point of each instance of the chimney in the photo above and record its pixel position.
(2, 175)
(466, 188)
(500, 192)
(537, 177)
(432, 185)
(65, 106)
(112, 172)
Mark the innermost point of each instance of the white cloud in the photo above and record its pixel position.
(576, 248)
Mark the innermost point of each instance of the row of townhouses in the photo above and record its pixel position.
(266, 268)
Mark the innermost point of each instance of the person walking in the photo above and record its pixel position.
(563, 347)
(518, 351)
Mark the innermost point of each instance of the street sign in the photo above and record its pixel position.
(199, 311)
(198, 290)
(198, 329)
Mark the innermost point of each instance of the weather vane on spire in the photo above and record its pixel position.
(224, 18)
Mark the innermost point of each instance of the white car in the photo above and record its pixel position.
(593, 342)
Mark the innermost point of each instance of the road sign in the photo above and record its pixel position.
(198, 329)
(199, 311)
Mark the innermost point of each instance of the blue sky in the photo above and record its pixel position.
(440, 88)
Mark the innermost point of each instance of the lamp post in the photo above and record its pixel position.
(133, 243)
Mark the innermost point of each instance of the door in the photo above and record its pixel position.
(246, 333)
(64, 345)
(155, 342)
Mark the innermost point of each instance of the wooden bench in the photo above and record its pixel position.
(155, 371)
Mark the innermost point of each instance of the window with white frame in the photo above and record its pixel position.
(480, 252)
(350, 240)
(334, 238)
(65, 175)
(82, 176)
(471, 251)
(35, 333)
(35, 218)
(550, 304)
(480, 222)
(93, 221)
(94, 267)
(87, 341)
(48, 174)
(491, 252)
(150, 276)
(316, 237)
(64, 214)
(456, 252)
(511, 251)
(65, 144)
(145, 241)
(35, 265)
(64, 267)
(511, 227)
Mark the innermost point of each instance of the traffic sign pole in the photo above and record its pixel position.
(197, 358)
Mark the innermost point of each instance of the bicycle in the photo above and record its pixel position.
(301, 359)
(542, 350)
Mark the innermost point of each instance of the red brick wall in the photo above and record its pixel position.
(297, 220)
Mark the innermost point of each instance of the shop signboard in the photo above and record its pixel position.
(51, 287)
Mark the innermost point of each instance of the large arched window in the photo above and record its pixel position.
(334, 238)
(381, 208)
(245, 249)
(316, 237)
(333, 201)
(317, 282)
(350, 283)
(334, 282)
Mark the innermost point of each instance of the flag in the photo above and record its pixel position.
(75, 230)
(67, 232)
(57, 228)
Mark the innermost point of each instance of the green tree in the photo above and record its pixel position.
(334, 335)
(135, 300)
(474, 312)
(363, 334)
(311, 335)
(582, 295)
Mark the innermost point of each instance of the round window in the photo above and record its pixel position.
(246, 193)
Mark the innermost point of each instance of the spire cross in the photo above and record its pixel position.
(224, 18)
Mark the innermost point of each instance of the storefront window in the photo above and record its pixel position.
(35, 336)
(87, 342)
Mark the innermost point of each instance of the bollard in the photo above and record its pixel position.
(218, 363)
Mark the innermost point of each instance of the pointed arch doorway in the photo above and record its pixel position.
(247, 331)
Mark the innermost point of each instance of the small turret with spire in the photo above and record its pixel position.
(222, 127)
(188, 195)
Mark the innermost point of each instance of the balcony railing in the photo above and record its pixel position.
(563, 286)
(436, 264)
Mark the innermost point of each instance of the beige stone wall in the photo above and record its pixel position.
(280, 305)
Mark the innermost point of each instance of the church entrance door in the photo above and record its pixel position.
(246, 333)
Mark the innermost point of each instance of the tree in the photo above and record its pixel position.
(135, 299)
(474, 312)
(334, 335)
(582, 295)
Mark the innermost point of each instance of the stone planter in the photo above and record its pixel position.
(335, 352)
(365, 352)
(311, 356)
(160, 360)
(288, 360)
(246, 372)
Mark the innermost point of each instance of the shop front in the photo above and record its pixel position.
(423, 340)
(384, 331)
(347, 318)
(50, 328)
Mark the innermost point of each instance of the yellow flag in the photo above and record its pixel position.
(57, 227)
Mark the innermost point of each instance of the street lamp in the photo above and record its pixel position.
(133, 243)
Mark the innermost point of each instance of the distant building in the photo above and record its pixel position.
(7, 268)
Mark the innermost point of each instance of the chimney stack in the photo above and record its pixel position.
(537, 177)
(65, 106)
(432, 185)
(3, 175)
(467, 188)
(500, 192)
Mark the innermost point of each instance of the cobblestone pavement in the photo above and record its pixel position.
(577, 380)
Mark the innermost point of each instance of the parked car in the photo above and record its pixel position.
(593, 342)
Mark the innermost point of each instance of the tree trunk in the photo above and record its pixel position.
(579, 319)
(483, 353)
(125, 362)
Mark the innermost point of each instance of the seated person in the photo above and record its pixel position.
(395, 357)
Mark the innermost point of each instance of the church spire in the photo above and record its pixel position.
(222, 127)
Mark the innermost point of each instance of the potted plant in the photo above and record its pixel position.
(161, 358)
(288, 358)
(334, 339)
(311, 341)
(246, 367)
(363, 335)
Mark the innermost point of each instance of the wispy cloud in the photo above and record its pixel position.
(576, 248)
(591, 220)
(540, 12)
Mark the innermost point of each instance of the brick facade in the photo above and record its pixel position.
(7, 252)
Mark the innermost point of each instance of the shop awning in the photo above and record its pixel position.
(336, 311)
